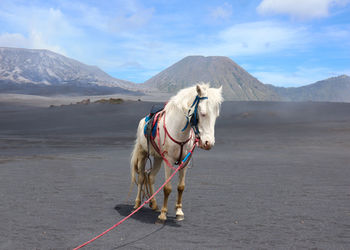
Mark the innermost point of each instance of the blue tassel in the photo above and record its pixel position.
(194, 118)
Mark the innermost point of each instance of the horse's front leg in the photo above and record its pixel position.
(180, 188)
(167, 190)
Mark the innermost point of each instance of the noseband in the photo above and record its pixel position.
(192, 119)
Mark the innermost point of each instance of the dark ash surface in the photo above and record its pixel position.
(277, 178)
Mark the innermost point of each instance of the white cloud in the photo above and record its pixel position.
(85, 15)
(13, 40)
(301, 9)
(35, 40)
(111, 17)
(39, 28)
(336, 33)
(132, 20)
(222, 12)
(255, 38)
(246, 39)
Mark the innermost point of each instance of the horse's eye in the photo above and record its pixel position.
(203, 114)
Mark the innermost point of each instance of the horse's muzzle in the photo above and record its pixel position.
(205, 145)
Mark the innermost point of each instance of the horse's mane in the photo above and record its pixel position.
(185, 97)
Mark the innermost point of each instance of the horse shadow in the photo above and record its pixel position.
(145, 215)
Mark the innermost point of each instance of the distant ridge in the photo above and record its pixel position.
(334, 89)
(237, 83)
(44, 72)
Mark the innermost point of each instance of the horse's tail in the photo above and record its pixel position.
(136, 158)
(134, 165)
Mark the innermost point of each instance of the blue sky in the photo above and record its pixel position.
(281, 42)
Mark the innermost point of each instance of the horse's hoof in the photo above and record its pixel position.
(160, 222)
(180, 217)
(156, 209)
(137, 204)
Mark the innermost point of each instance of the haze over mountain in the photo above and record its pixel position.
(43, 71)
(334, 89)
(237, 83)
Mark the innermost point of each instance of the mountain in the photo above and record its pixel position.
(237, 83)
(334, 89)
(44, 72)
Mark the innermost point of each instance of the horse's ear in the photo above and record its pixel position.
(199, 90)
(219, 95)
(220, 89)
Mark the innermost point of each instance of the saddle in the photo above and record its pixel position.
(151, 123)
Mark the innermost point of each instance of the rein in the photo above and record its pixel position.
(191, 119)
(183, 164)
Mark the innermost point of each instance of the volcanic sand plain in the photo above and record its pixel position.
(277, 178)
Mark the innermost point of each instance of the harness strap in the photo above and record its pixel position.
(164, 152)
(151, 138)
(180, 143)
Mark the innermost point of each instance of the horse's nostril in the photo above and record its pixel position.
(206, 143)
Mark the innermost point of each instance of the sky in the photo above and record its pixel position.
(286, 43)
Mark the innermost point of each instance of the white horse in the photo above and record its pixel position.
(174, 139)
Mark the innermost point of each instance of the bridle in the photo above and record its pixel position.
(192, 119)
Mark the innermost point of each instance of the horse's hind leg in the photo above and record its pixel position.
(180, 188)
(152, 175)
(140, 169)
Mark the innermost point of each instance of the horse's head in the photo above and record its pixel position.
(208, 111)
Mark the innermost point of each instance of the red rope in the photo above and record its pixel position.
(166, 132)
(147, 201)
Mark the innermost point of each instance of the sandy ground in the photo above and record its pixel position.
(277, 178)
(44, 101)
